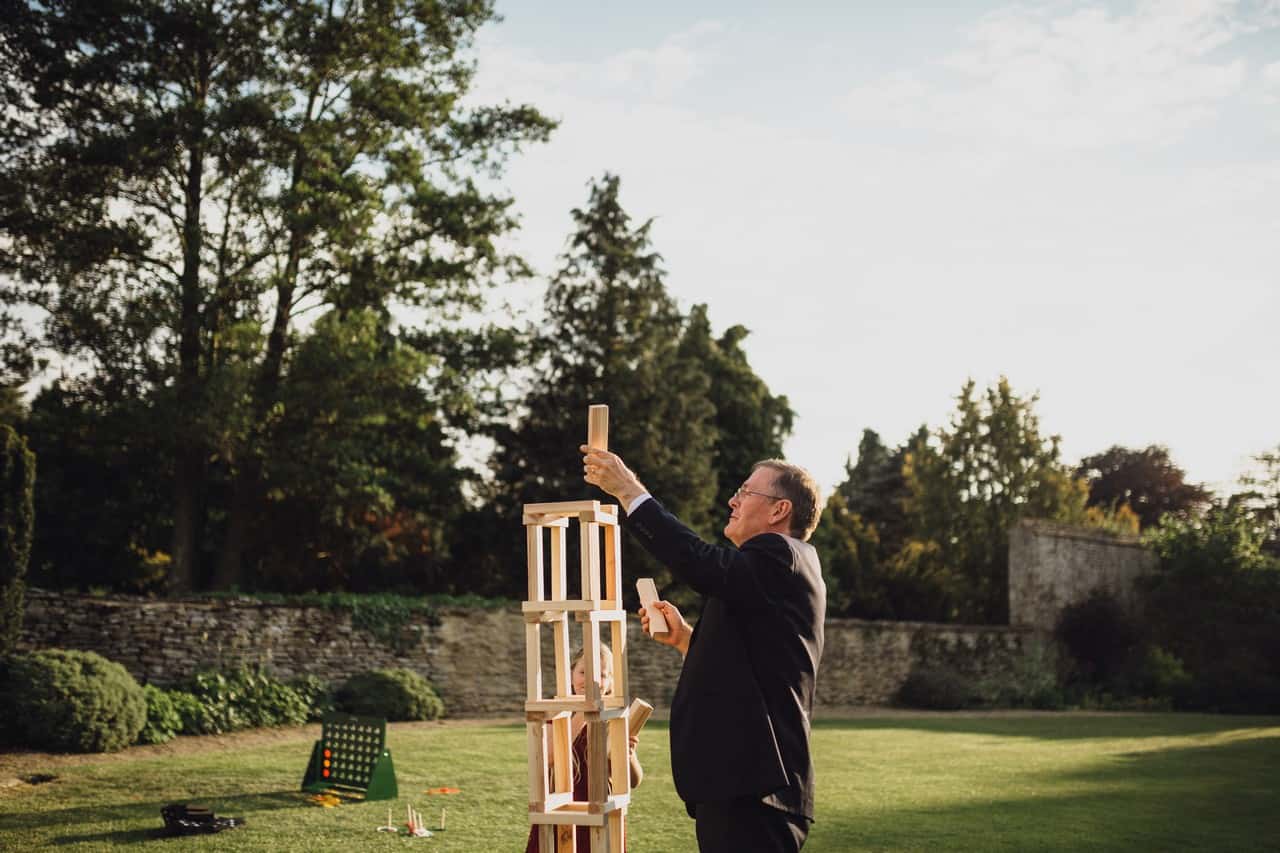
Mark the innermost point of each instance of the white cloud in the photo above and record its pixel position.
(1080, 79)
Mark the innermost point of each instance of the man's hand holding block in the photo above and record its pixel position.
(648, 595)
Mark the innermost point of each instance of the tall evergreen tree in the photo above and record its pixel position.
(177, 168)
(612, 334)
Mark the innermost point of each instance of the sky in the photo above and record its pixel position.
(898, 197)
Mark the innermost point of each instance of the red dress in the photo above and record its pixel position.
(579, 793)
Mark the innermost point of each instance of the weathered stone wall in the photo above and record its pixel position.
(1053, 565)
(475, 657)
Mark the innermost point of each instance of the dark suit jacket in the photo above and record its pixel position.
(740, 713)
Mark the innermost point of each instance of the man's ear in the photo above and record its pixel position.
(779, 512)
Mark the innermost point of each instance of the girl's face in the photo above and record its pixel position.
(580, 679)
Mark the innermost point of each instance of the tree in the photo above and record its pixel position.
(973, 481)
(750, 423)
(1146, 480)
(1261, 499)
(17, 519)
(611, 334)
(177, 170)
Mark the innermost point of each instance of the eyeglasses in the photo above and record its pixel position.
(743, 490)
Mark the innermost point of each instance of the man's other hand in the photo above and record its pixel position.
(607, 470)
(679, 631)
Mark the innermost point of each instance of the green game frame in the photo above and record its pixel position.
(352, 754)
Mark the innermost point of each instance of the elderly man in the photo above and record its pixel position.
(740, 713)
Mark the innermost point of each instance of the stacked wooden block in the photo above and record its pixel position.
(552, 807)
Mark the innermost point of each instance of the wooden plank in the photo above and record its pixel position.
(562, 750)
(637, 715)
(533, 559)
(621, 675)
(597, 762)
(572, 814)
(567, 839)
(545, 520)
(619, 765)
(616, 801)
(600, 839)
(591, 657)
(598, 616)
(559, 565)
(612, 564)
(607, 707)
(538, 771)
(589, 537)
(561, 508)
(598, 426)
(572, 605)
(603, 518)
(618, 830)
(533, 661)
(564, 668)
(546, 838)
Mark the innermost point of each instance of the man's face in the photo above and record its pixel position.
(751, 513)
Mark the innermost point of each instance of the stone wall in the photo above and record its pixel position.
(1053, 565)
(475, 657)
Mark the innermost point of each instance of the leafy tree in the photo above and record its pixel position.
(1146, 480)
(611, 334)
(17, 519)
(750, 422)
(1261, 498)
(178, 171)
(970, 485)
(1214, 603)
(361, 484)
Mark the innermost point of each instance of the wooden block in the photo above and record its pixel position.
(621, 675)
(567, 839)
(533, 661)
(564, 668)
(559, 565)
(572, 605)
(546, 838)
(596, 617)
(619, 765)
(590, 555)
(597, 762)
(614, 803)
(591, 657)
(612, 564)
(618, 830)
(575, 703)
(637, 715)
(648, 595)
(600, 840)
(598, 427)
(572, 814)
(537, 762)
(562, 750)
(533, 557)
(603, 518)
(545, 520)
(561, 508)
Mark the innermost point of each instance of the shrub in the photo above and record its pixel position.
(191, 713)
(74, 701)
(245, 697)
(1031, 681)
(1099, 635)
(17, 519)
(397, 694)
(315, 694)
(163, 721)
(935, 688)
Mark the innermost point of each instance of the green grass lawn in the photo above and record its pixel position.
(938, 782)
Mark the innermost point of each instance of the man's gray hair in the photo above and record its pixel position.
(798, 486)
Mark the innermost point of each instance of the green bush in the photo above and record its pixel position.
(315, 693)
(1030, 681)
(1100, 636)
(163, 721)
(397, 694)
(192, 719)
(17, 520)
(74, 701)
(935, 688)
(242, 698)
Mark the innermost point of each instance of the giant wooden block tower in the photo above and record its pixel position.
(552, 807)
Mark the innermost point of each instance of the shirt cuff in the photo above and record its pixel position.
(635, 504)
